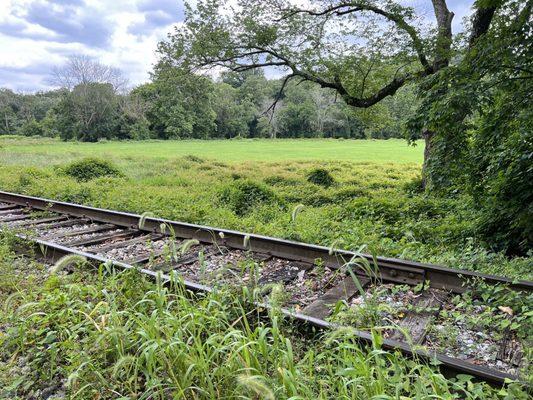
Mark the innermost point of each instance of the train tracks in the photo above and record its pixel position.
(315, 279)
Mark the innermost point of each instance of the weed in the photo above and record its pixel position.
(115, 334)
(91, 168)
(243, 195)
(321, 177)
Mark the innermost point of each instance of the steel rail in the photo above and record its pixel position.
(390, 269)
(396, 270)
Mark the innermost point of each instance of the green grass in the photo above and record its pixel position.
(107, 335)
(35, 151)
(369, 203)
(103, 335)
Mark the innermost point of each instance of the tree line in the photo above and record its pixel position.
(92, 104)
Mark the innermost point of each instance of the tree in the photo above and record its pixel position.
(9, 106)
(179, 104)
(480, 109)
(82, 70)
(364, 50)
(88, 113)
(232, 116)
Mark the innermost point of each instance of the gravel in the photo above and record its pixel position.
(310, 285)
(67, 239)
(131, 251)
(456, 339)
(45, 233)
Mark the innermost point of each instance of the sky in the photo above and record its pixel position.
(36, 35)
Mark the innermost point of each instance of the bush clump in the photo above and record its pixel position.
(242, 195)
(91, 168)
(414, 186)
(321, 177)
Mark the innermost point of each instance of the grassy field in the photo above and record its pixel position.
(35, 151)
(376, 203)
(91, 335)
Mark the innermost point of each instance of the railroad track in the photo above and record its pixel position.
(315, 278)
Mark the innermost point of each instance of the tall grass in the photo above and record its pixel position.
(370, 203)
(108, 335)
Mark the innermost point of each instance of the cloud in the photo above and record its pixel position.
(25, 79)
(71, 22)
(157, 14)
(35, 35)
(38, 34)
(170, 7)
(152, 20)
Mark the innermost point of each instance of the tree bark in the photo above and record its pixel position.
(428, 136)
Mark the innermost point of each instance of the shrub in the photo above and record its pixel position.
(193, 158)
(31, 128)
(414, 186)
(321, 177)
(90, 168)
(242, 195)
(279, 180)
(28, 176)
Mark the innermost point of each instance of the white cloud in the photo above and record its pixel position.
(36, 35)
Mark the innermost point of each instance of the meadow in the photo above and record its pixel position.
(16, 149)
(101, 334)
(373, 198)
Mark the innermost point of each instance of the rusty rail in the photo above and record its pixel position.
(388, 269)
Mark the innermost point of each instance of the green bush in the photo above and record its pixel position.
(414, 186)
(242, 195)
(90, 168)
(29, 175)
(321, 177)
(31, 128)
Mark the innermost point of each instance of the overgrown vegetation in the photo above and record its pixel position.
(369, 203)
(242, 196)
(107, 334)
(320, 176)
(91, 168)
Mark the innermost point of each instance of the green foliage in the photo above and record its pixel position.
(178, 104)
(91, 168)
(368, 204)
(321, 177)
(88, 113)
(414, 186)
(242, 196)
(31, 128)
(480, 112)
(96, 333)
(501, 178)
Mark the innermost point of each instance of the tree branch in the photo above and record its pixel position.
(444, 36)
(354, 6)
(480, 23)
(278, 97)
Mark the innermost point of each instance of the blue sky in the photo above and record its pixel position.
(36, 35)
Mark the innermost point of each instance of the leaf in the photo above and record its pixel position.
(50, 338)
(296, 211)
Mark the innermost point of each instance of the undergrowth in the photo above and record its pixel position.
(378, 204)
(107, 335)
(91, 168)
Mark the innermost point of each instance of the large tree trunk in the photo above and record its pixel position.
(428, 136)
